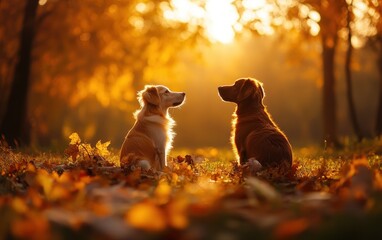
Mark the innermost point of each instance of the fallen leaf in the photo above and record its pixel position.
(32, 227)
(263, 189)
(291, 228)
(162, 192)
(74, 138)
(146, 216)
(102, 148)
(19, 205)
(177, 213)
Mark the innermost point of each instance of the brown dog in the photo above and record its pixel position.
(150, 139)
(254, 135)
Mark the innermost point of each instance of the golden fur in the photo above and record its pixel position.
(150, 139)
(254, 134)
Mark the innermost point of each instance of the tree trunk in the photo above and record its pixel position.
(348, 77)
(329, 104)
(14, 126)
(378, 124)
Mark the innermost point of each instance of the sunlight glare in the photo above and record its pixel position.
(142, 7)
(358, 42)
(314, 27)
(253, 5)
(257, 13)
(304, 11)
(137, 22)
(315, 16)
(364, 26)
(184, 11)
(221, 16)
(313, 19)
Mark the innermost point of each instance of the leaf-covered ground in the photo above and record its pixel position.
(203, 194)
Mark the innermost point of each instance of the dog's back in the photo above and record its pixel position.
(268, 145)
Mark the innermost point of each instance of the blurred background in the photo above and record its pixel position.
(76, 66)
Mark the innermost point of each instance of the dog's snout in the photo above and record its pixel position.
(222, 90)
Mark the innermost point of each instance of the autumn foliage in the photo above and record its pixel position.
(85, 194)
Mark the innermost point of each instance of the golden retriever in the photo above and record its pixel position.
(255, 136)
(149, 140)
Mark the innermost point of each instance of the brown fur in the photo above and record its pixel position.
(149, 140)
(254, 133)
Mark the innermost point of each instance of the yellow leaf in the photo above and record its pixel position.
(19, 205)
(177, 213)
(45, 181)
(65, 177)
(86, 149)
(74, 138)
(146, 216)
(102, 148)
(163, 192)
(82, 182)
(58, 193)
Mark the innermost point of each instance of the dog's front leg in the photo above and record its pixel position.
(241, 151)
(161, 155)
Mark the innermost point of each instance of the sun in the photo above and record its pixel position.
(218, 17)
(221, 18)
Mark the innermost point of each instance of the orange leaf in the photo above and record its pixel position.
(377, 180)
(162, 192)
(177, 213)
(72, 151)
(19, 205)
(31, 167)
(44, 180)
(58, 193)
(100, 208)
(291, 228)
(146, 216)
(34, 227)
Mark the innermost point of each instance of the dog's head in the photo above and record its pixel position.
(160, 96)
(243, 89)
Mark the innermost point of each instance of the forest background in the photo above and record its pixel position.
(88, 59)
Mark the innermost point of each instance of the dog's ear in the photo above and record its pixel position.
(246, 90)
(150, 95)
(261, 90)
